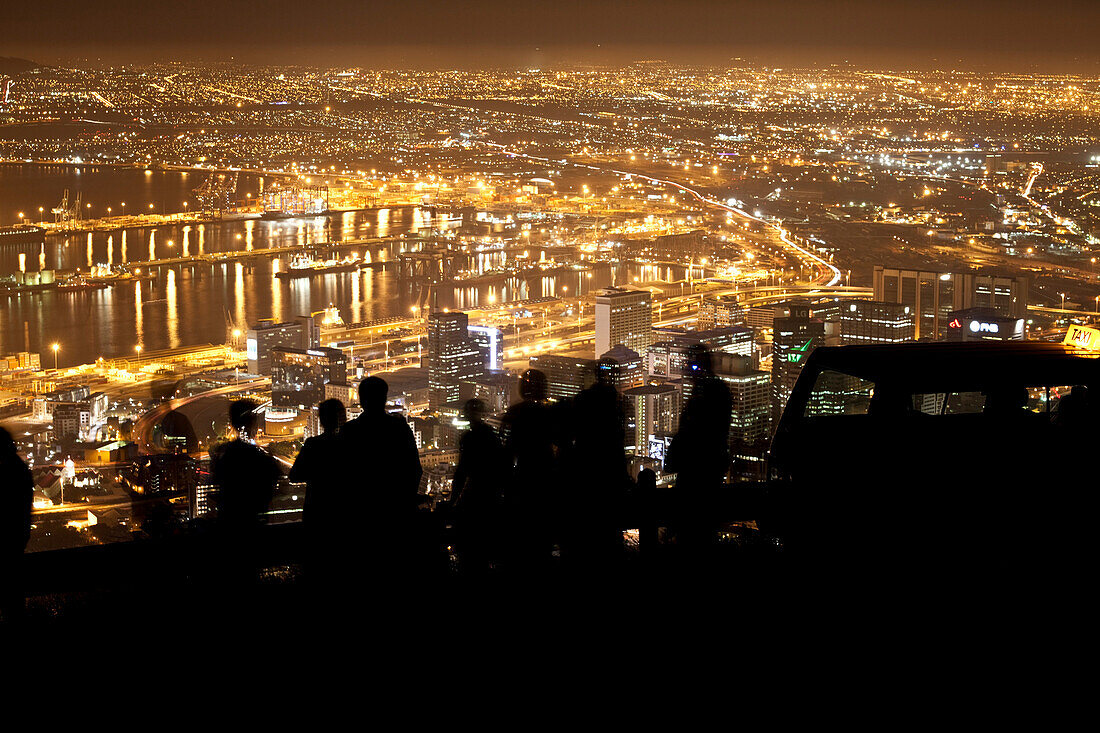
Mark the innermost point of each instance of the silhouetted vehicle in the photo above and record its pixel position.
(939, 457)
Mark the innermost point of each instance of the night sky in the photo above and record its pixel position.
(1059, 35)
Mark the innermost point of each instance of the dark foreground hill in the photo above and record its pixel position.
(10, 66)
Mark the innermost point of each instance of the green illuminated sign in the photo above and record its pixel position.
(797, 352)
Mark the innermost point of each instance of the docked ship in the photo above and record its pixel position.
(78, 283)
(103, 275)
(305, 266)
(22, 234)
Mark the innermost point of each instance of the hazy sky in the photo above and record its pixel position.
(1012, 34)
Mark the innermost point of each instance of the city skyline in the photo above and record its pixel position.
(488, 291)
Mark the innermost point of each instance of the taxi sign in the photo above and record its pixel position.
(1083, 337)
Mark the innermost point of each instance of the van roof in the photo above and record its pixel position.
(939, 366)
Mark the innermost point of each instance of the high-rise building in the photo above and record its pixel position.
(655, 416)
(629, 369)
(718, 311)
(565, 375)
(453, 356)
(872, 322)
(750, 390)
(67, 420)
(794, 337)
(984, 324)
(669, 358)
(265, 336)
(299, 376)
(623, 317)
(933, 296)
(490, 341)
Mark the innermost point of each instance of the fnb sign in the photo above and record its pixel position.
(1083, 338)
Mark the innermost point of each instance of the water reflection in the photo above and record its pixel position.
(238, 294)
(139, 316)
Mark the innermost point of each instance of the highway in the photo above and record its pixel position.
(143, 428)
(830, 273)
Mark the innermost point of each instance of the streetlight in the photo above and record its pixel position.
(1063, 300)
(137, 348)
(56, 347)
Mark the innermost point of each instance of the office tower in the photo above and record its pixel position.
(490, 341)
(629, 370)
(669, 358)
(655, 417)
(623, 317)
(718, 311)
(201, 498)
(933, 296)
(167, 472)
(750, 390)
(565, 375)
(794, 337)
(265, 336)
(498, 390)
(984, 324)
(66, 421)
(453, 356)
(872, 322)
(299, 376)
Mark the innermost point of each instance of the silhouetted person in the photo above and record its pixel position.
(476, 491)
(1006, 402)
(699, 452)
(383, 468)
(318, 466)
(16, 500)
(887, 403)
(528, 432)
(177, 435)
(246, 478)
(1074, 410)
(595, 490)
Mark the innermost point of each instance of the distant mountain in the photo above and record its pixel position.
(12, 66)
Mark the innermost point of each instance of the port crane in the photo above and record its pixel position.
(215, 193)
(65, 215)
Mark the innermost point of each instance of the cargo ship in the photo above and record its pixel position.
(22, 234)
(79, 284)
(305, 266)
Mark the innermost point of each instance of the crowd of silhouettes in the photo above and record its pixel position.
(554, 474)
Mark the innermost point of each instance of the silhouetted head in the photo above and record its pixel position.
(889, 403)
(532, 385)
(372, 394)
(607, 372)
(699, 363)
(1074, 410)
(8, 451)
(177, 432)
(242, 416)
(474, 411)
(332, 415)
(1005, 400)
